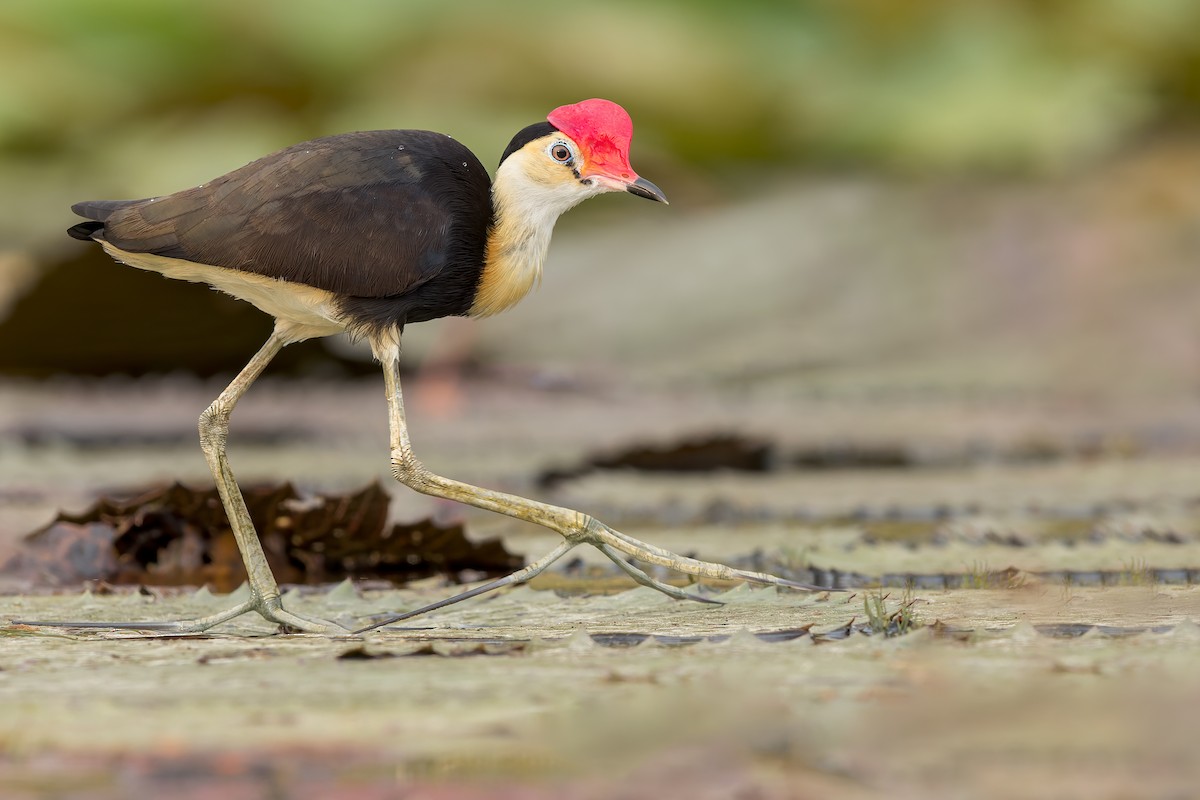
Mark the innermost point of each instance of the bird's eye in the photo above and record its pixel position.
(560, 152)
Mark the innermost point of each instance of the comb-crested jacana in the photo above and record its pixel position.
(367, 232)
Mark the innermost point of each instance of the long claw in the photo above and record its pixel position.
(645, 580)
(651, 554)
(120, 626)
(272, 612)
(520, 576)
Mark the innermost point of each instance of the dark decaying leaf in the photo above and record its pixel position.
(65, 552)
(743, 453)
(178, 535)
(704, 454)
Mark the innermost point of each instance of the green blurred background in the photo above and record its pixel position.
(130, 98)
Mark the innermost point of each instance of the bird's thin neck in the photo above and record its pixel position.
(523, 217)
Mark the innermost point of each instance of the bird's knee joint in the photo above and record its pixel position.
(214, 425)
(409, 471)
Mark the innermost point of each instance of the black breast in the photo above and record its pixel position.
(393, 222)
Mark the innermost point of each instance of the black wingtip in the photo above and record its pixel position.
(85, 231)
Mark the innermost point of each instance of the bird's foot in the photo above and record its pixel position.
(618, 547)
(615, 545)
(270, 608)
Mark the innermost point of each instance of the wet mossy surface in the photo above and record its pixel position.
(531, 688)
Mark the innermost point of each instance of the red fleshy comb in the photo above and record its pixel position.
(603, 130)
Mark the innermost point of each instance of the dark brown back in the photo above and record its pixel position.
(375, 214)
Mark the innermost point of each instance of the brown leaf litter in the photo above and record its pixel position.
(178, 535)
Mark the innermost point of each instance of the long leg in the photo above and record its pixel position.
(574, 526)
(264, 591)
(214, 432)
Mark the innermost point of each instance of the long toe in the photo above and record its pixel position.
(272, 611)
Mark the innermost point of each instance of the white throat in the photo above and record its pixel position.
(526, 209)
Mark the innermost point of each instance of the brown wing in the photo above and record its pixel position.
(369, 214)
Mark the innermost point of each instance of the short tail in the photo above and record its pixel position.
(84, 231)
(97, 212)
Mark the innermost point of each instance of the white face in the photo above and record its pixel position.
(533, 187)
(545, 177)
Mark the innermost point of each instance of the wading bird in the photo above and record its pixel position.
(368, 232)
